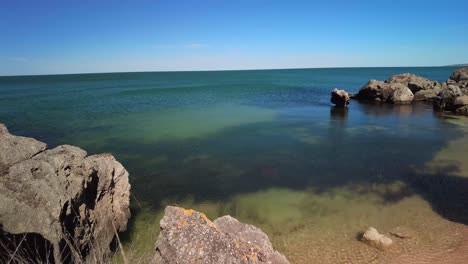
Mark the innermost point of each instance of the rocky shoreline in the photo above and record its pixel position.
(450, 96)
(59, 205)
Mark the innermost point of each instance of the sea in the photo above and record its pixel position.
(266, 147)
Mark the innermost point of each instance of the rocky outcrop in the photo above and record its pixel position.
(460, 77)
(374, 239)
(340, 98)
(62, 198)
(414, 82)
(406, 88)
(446, 99)
(188, 236)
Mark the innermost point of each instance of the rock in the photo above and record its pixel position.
(425, 95)
(340, 97)
(462, 110)
(373, 238)
(188, 236)
(460, 75)
(402, 232)
(445, 99)
(460, 101)
(24, 148)
(375, 90)
(401, 94)
(63, 198)
(414, 82)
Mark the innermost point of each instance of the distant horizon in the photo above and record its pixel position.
(226, 70)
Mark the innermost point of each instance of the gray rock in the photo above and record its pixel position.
(340, 98)
(445, 99)
(24, 148)
(374, 239)
(188, 236)
(414, 82)
(74, 202)
(401, 94)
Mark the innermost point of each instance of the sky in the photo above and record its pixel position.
(79, 36)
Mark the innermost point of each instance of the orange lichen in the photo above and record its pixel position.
(237, 245)
(188, 211)
(181, 223)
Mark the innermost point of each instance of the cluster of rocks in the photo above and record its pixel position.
(406, 88)
(187, 236)
(59, 205)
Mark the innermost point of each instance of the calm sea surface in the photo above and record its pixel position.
(265, 146)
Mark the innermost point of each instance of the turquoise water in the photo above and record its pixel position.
(253, 144)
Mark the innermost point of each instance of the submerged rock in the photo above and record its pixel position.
(340, 98)
(402, 232)
(61, 197)
(373, 238)
(188, 236)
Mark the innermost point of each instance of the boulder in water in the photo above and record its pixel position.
(374, 239)
(340, 97)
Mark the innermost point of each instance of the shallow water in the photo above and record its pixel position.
(267, 148)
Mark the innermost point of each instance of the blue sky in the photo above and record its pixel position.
(45, 37)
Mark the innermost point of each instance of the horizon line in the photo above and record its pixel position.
(226, 70)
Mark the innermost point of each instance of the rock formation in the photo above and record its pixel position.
(460, 77)
(340, 98)
(373, 238)
(59, 205)
(406, 88)
(188, 236)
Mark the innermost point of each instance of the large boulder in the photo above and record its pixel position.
(188, 236)
(73, 203)
(414, 82)
(445, 99)
(375, 91)
(460, 75)
(340, 97)
(401, 94)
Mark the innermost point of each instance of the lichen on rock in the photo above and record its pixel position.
(188, 236)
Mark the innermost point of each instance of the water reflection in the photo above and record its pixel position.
(339, 113)
(403, 110)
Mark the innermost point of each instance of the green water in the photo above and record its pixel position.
(264, 146)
